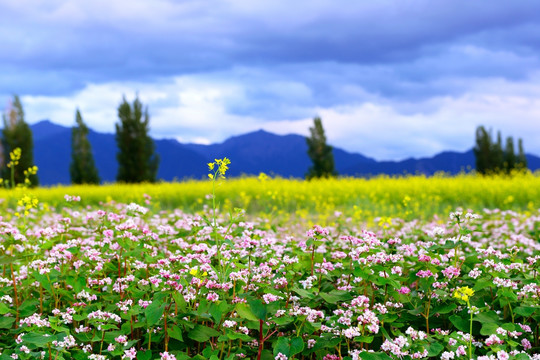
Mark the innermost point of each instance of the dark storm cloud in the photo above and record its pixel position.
(211, 69)
(99, 43)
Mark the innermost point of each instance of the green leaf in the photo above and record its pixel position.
(522, 356)
(303, 293)
(460, 323)
(144, 355)
(4, 309)
(525, 310)
(217, 311)
(79, 355)
(335, 296)
(282, 346)
(508, 327)
(28, 307)
(435, 349)
(175, 333)
(202, 333)
(6, 322)
(258, 308)
(236, 336)
(487, 317)
(507, 293)
(296, 345)
(180, 301)
(153, 312)
(37, 339)
(482, 284)
(6, 259)
(245, 312)
(364, 339)
(488, 329)
(446, 308)
(288, 347)
(59, 328)
(374, 356)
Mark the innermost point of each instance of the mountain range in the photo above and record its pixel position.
(250, 154)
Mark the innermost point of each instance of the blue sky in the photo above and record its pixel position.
(389, 78)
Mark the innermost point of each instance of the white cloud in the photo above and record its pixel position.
(196, 109)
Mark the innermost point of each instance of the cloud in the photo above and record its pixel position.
(390, 78)
(197, 109)
(106, 41)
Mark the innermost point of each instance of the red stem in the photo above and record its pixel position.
(261, 340)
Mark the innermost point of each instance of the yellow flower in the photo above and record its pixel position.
(194, 272)
(222, 167)
(464, 293)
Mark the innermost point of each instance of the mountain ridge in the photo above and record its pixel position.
(250, 154)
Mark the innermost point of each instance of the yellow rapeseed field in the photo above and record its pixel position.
(362, 199)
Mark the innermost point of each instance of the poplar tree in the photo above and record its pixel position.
(483, 151)
(491, 158)
(82, 168)
(137, 158)
(17, 134)
(521, 163)
(509, 155)
(320, 153)
(497, 157)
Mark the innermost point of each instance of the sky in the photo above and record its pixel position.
(390, 79)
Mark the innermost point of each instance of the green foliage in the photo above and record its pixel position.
(17, 134)
(491, 158)
(82, 168)
(137, 158)
(521, 158)
(320, 153)
(124, 281)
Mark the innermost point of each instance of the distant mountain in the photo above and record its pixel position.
(261, 151)
(250, 154)
(448, 161)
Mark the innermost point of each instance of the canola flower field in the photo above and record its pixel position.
(333, 269)
(413, 197)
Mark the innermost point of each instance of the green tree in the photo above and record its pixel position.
(491, 158)
(82, 168)
(521, 163)
(17, 134)
(497, 155)
(483, 151)
(137, 159)
(320, 153)
(509, 155)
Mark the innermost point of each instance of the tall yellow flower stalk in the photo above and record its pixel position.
(464, 294)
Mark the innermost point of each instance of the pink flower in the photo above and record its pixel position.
(424, 273)
(144, 304)
(212, 296)
(451, 272)
(166, 356)
(130, 354)
(404, 290)
(268, 298)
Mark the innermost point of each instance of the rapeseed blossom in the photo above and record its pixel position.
(463, 293)
(218, 168)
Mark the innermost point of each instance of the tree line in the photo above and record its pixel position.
(490, 156)
(137, 157)
(138, 160)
